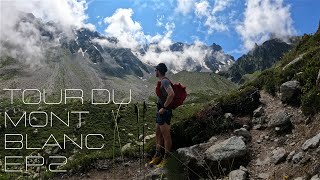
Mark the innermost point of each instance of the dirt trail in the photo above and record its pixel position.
(265, 141)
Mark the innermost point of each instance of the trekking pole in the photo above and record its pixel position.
(144, 120)
(136, 110)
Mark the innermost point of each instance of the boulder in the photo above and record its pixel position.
(297, 157)
(194, 154)
(289, 92)
(315, 177)
(237, 175)
(259, 120)
(258, 112)
(228, 149)
(202, 156)
(279, 155)
(290, 156)
(311, 143)
(126, 147)
(242, 132)
(280, 119)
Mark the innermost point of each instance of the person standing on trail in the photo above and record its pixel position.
(163, 118)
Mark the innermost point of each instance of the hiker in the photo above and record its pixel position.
(163, 118)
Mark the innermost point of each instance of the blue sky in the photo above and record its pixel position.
(190, 26)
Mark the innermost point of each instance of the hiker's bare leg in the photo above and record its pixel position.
(165, 131)
(159, 138)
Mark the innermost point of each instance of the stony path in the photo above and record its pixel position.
(265, 141)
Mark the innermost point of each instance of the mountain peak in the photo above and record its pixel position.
(259, 58)
(318, 31)
(216, 47)
(178, 46)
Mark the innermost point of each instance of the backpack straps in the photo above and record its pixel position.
(158, 90)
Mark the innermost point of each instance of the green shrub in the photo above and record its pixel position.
(210, 121)
(311, 102)
(241, 102)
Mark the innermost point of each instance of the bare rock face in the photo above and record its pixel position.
(281, 121)
(297, 157)
(279, 155)
(198, 157)
(316, 177)
(242, 132)
(311, 143)
(289, 92)
(228, 149)
(237, 175)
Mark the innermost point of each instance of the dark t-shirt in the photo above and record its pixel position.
(165, 84)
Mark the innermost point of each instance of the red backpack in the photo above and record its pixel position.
(179, 91)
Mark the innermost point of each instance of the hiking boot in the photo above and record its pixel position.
(155, 160)
(162, 163)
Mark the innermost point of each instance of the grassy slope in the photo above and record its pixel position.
(99, 121)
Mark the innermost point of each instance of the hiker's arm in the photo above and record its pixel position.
(170, 96)
(167, 86)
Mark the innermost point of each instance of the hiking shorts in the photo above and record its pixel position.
(165, 117)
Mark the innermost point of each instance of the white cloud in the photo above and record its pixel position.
(125, 29)
(221, 5)
(203, 10)
(24, 38)
(213, 24)
(184, 6)
(130, 33)
(159, 20)
(65, 12)
(263, 18)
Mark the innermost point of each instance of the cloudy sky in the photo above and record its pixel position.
(234, 24)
